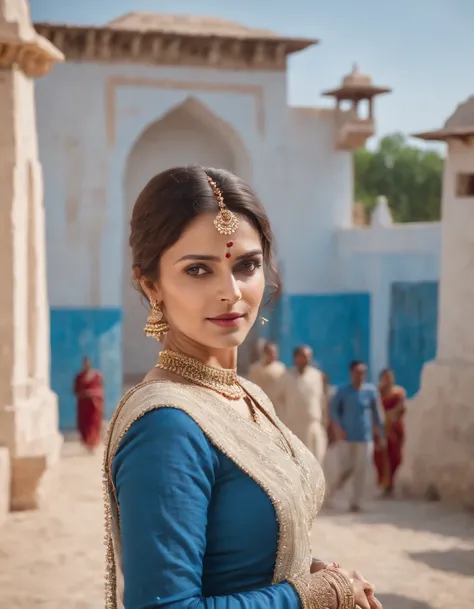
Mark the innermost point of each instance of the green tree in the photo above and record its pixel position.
(410, 178)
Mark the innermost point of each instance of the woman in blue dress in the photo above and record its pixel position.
(209, 498)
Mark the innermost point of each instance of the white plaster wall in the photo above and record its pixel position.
(71, 131)
(456, 327)
(319, 200)
(371, 259)
(84, 173)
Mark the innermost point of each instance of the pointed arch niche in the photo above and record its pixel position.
(189, 133)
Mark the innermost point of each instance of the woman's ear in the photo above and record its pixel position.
(152, 291)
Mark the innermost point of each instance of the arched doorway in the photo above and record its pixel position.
(189, 133)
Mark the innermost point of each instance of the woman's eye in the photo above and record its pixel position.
(250, 266)
(196, 270)
(247, 266)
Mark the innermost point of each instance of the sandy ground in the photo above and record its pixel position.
(419, 555)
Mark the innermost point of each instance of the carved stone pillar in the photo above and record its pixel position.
(28, 407)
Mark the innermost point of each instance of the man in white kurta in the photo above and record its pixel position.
(267, 373)
(303, 402)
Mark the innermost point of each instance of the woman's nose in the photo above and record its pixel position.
(231, 292)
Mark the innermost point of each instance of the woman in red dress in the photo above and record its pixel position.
(88, 390)
(389, 460)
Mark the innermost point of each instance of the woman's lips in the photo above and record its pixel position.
(227, 320)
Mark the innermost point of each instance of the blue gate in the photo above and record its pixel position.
(413, 330)
(75, 333)
(336, 326)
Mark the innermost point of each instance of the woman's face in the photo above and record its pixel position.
(208, 297)
(387, 379)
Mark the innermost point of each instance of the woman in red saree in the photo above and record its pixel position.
(387, 461)
(88, 390)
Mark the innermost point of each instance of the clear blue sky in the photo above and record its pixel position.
(423, 49)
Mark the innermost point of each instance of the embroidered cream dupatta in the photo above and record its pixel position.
(294, 483)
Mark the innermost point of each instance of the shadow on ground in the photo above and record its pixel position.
(396, 601)
(432, 517)
(455, 560)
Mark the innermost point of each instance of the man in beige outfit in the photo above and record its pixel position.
(303, 402)
(267, 373)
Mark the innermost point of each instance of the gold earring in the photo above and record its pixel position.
(263, 320)
(156, 326)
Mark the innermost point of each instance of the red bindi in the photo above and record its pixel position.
(229, 243)
(228, 255)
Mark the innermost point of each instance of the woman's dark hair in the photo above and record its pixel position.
(174, 198)
(384, 371)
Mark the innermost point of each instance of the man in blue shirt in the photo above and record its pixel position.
(355, 411)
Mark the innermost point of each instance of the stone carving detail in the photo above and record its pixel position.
(31, 62)
(21, 46)
(103, 44)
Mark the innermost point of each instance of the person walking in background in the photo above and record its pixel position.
(329, 391)
(388, 459)
(88, 389)
(355, 412)
(303, 400)
(267, 373)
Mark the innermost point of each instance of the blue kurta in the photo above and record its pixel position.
(356, 411)
(197, 532)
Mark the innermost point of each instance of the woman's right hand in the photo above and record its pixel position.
(364, 591)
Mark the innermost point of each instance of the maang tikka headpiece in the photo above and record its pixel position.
(226, 221)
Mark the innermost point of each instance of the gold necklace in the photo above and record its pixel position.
(222, 381)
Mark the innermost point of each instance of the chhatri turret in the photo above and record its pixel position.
(352, 129)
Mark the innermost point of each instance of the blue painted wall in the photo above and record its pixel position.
(413, 330)
(75, 333)
(336, 326)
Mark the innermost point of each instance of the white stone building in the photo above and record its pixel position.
(147, 92)
(440, 451)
